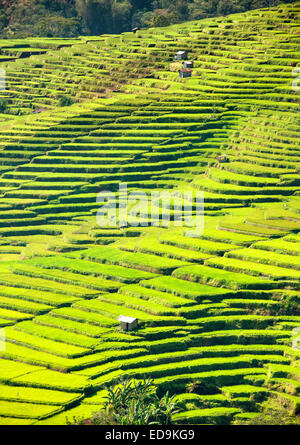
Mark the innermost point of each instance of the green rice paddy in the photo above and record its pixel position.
(218, 307)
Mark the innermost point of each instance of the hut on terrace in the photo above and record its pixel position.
(39, 110)
(185, 72)
(296, 338)
(128, 323)
(181, 55)
(223, 158)
(188, 64)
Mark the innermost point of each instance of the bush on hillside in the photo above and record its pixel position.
(131, 402)
(272, 413)
(3, 105)
(65, 101)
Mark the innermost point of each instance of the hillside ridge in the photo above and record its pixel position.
(221, 308)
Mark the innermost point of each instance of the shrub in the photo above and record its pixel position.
(65, 101)
(271, 413)
(199, 387)
(3, 105)
(131, 402)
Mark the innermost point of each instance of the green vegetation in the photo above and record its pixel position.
(218, 309)
(67, 19)
(131, 402)
(219, 277)
(272, 412)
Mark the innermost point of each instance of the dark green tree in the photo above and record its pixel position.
(65, 101)
(68, 18)
(3, 105)
(96, 14)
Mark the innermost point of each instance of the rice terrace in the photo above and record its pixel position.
(204, 107)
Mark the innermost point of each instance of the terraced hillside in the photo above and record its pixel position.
(218, 309)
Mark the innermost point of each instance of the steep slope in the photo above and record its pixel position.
(217, 309)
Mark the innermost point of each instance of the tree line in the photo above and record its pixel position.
(71, 18)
